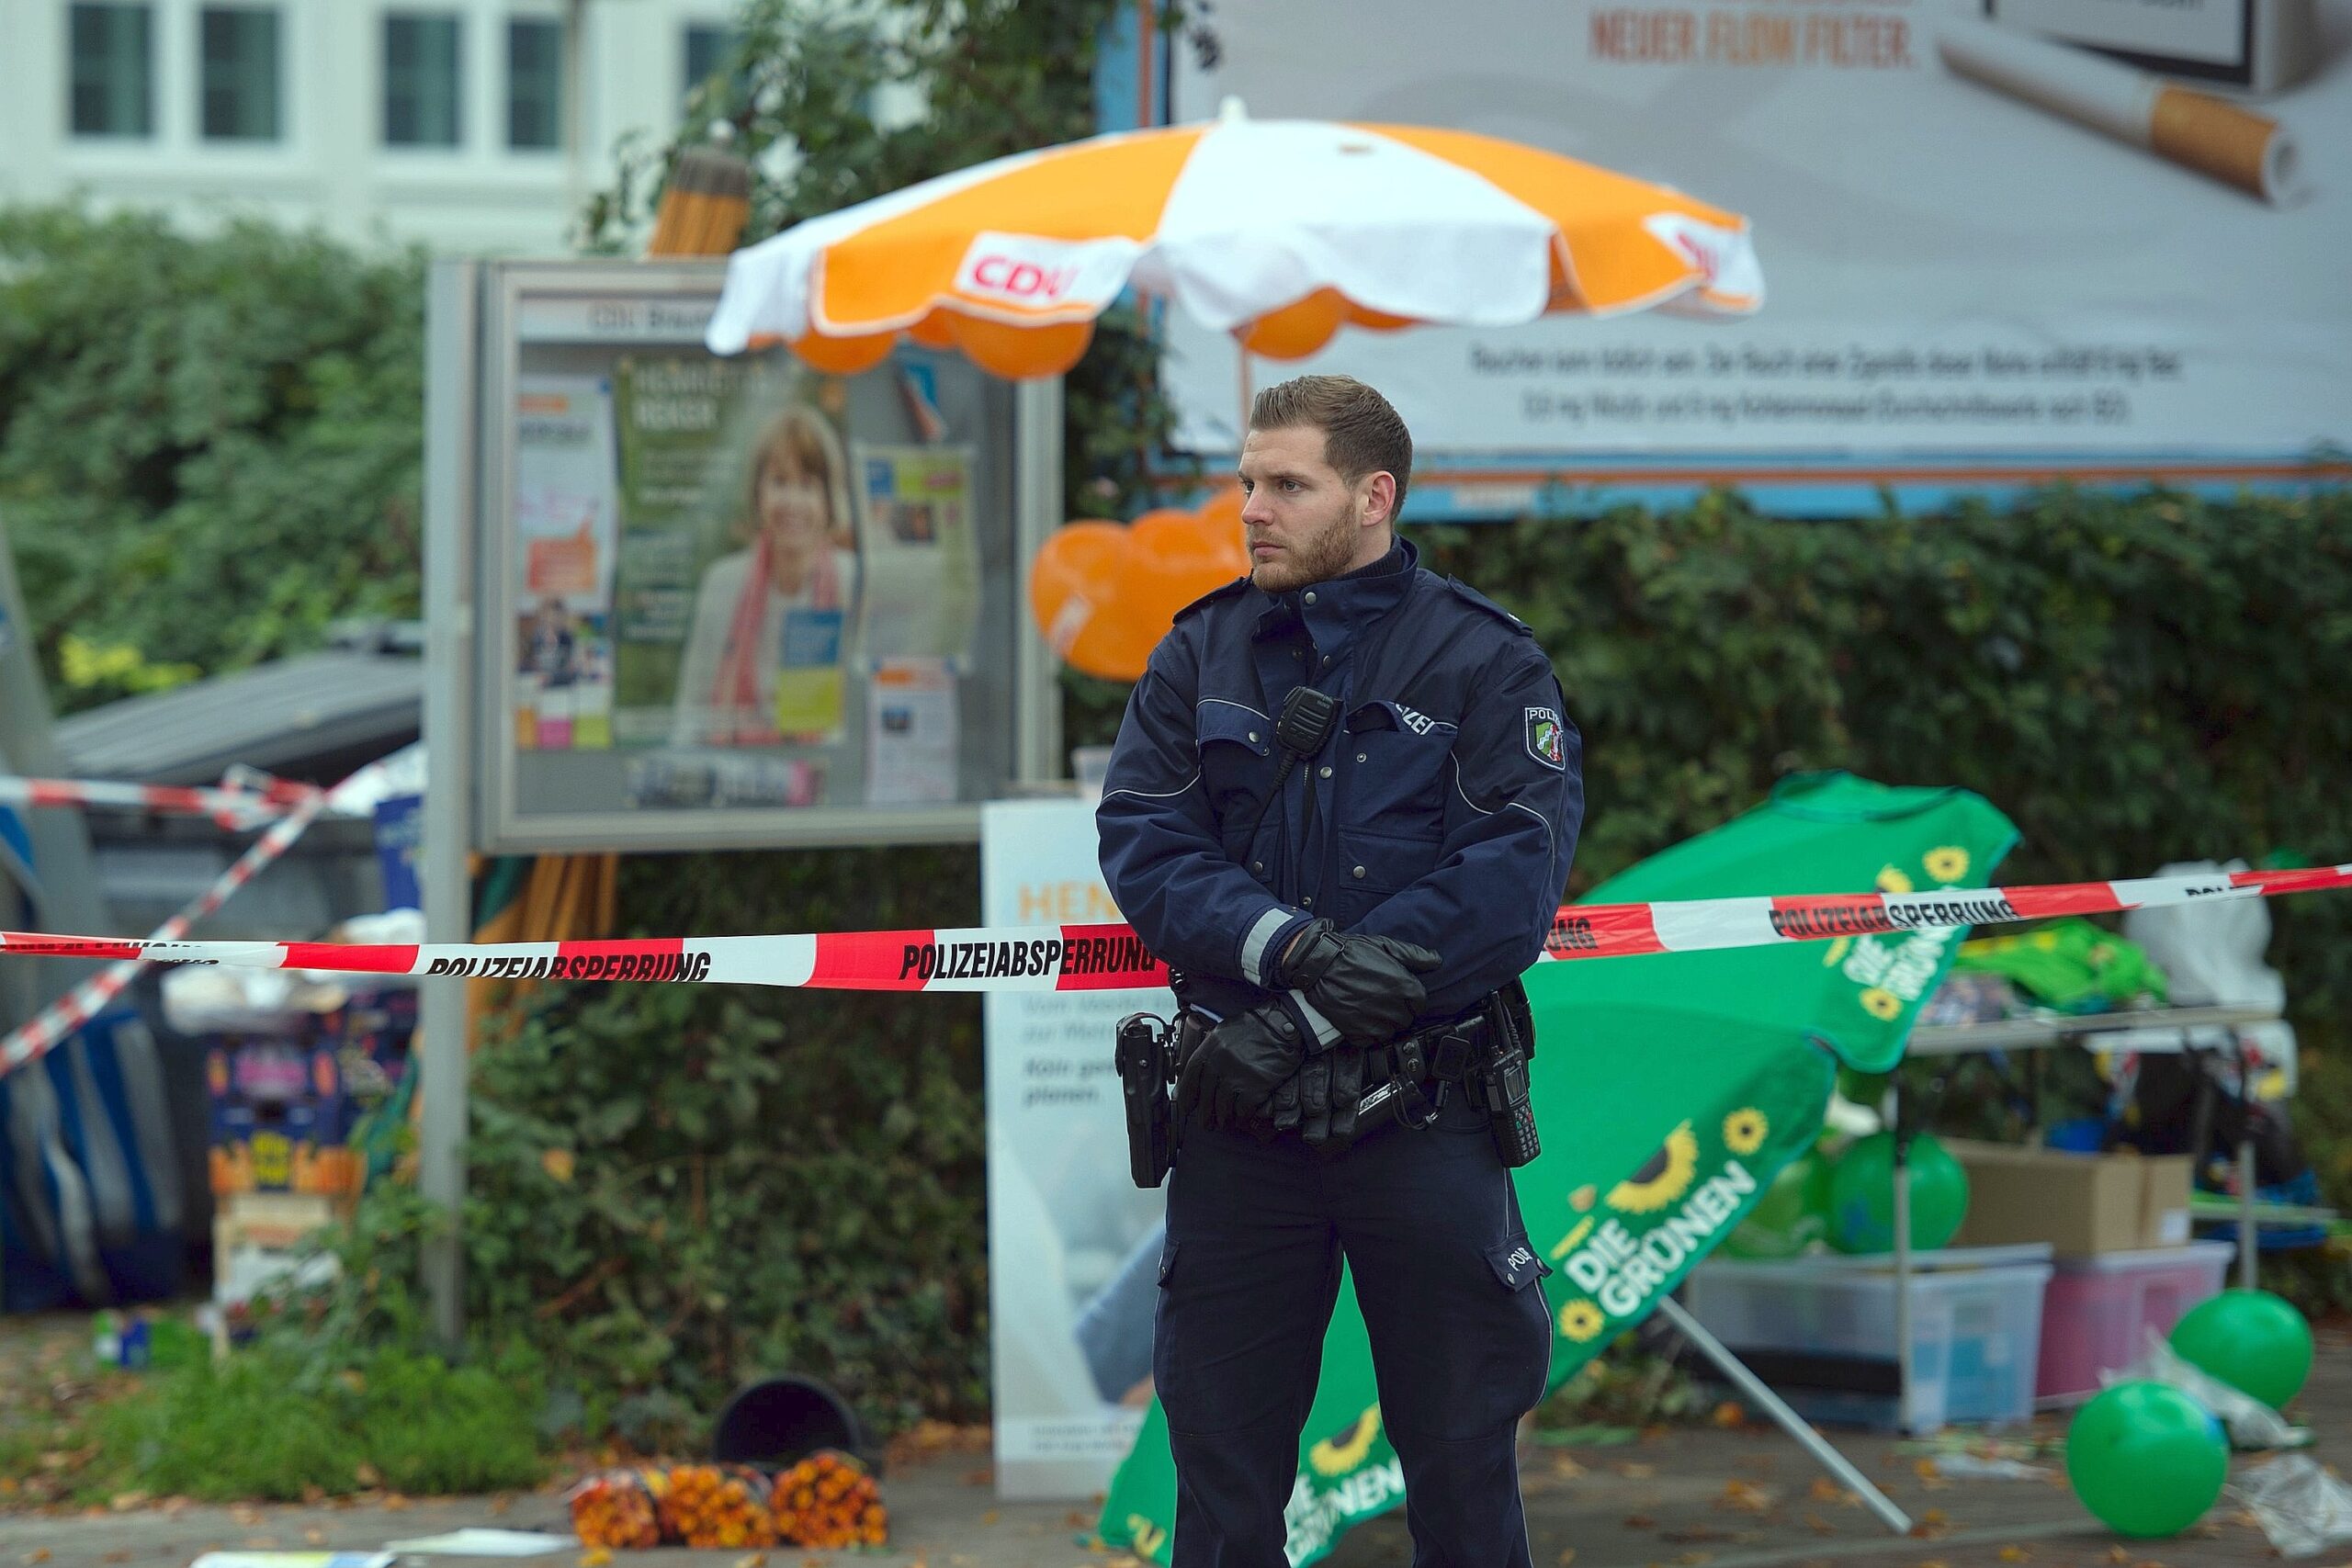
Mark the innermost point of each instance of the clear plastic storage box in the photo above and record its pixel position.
(2097, 1315)
(1821, 1332)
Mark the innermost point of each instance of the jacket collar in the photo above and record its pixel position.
(1337, 608)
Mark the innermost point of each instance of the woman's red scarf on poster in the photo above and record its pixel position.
(736, 716)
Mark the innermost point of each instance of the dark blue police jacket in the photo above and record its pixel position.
(1443, 809)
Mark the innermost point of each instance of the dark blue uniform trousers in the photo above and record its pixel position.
(1430, 1229)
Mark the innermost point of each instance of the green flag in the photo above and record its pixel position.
(1669, 1090)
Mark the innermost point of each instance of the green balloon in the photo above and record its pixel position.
(1861, 1195)
(2250, 1339)
(2146, 1458)
(1792, 1213)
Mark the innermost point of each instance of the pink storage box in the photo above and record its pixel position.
(2097, 1310)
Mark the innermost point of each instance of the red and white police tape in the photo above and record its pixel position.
(84, 1001)
(232, 803)
(1111, 957)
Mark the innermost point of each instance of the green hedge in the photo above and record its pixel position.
(793, 1178)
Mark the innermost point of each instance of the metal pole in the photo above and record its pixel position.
(442, 1063)
(1036, 512)
(2249, 1246)
(1788, 1420)
(1902, 1258)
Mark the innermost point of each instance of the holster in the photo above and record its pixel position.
(1149, 1053)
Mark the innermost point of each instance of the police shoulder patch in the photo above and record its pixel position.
(1545, 741)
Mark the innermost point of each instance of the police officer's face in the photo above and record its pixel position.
(1304, 522)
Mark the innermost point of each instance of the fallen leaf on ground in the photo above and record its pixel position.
(1819, 1526)
(596, 1557)
(38, 1554)
(1728, 1416)
(1566, 1467)
(367, 1474)
(314, 1537)
(117, 1556)
(991, 1517)
(2016, 1554)
(394, 1502)
(752, 1560)
(2118, 1555)
(123, 1502)
(1750, 1498)
(1567, 1555)
(1635, 1472)
(1638, 1521)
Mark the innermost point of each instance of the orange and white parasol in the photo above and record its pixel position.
(1277, 230)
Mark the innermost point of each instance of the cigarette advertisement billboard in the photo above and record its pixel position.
(1999, 240)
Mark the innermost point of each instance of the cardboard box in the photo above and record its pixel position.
(2082, 1204)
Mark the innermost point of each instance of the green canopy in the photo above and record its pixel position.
(1669, 1090)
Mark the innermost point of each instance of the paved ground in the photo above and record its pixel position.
(1688, 1498)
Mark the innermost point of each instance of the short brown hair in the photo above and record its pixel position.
(797, 434)
(1361, 433)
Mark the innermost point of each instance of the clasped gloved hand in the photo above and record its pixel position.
(1230, 1077)
(1320, 1102)
(1369, 986)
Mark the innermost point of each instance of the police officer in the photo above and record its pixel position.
(1372, 882)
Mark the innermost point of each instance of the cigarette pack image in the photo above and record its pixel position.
(2254, 46)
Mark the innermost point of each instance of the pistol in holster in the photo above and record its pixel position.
(1149, 1053)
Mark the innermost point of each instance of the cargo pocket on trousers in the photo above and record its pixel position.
(1513, 1261)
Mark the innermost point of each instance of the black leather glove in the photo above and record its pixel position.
(1367, 986)
(1230, 1080)
(1330, 1087)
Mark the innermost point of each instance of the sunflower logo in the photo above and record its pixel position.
(1744, 1131)
(1837, 953)
(1338, 1455)
(1881, 1003)
(1949, 863)
(1890, 880)
(1664, 1176)
(1582, 1322)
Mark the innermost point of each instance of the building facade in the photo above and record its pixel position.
(476, 126)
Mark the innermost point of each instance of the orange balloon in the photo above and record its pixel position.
(1075, 589)
(1103, 595)
(1174, 558)
(844, 356)
(1299, 328)
(1019, 353)
(1221, 517)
